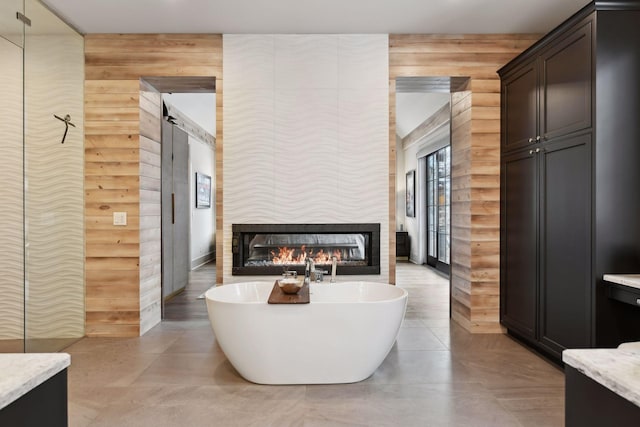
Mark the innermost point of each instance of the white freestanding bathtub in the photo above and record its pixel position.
(341, 336)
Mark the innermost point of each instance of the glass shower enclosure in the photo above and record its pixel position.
(41, 170)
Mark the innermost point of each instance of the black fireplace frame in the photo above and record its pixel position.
(237, 246)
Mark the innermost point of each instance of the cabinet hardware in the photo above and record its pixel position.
(537, 150)
(23, 18)
(530, 140)
(530, 151)
(538, 138)
(173, 208)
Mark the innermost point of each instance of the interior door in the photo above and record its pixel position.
(175, 209)
(167, 209)
(181, 226)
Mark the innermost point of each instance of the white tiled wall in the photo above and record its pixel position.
(306, 132)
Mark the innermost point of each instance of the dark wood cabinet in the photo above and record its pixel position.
(403, 244)
(549, 94)
(590, 404)
(567, 138)
(519, 235)
(565, 244)
(44, 405)
(565, 83)
(520, 125)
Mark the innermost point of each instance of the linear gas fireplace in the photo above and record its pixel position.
(268, 249)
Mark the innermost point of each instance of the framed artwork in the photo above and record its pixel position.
(411, 189)
(203, 190)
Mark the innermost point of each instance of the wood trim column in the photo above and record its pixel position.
(475, 258)
(121, 281)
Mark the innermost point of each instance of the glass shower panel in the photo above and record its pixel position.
(54, 199)
(11, 191)
(11, 28)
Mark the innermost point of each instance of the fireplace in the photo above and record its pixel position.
(269, 249)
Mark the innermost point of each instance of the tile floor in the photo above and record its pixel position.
(437, 374)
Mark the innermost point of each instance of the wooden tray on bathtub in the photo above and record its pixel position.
(279, 297)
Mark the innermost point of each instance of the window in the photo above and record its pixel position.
(439, 208)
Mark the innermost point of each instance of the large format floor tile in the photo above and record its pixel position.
(437, 374)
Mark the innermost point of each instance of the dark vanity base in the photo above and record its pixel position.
(45, 405)
(589, 404)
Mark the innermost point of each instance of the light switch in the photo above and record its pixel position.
(119, 218)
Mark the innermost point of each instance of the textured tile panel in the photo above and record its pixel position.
(11, 230)
(305, 150)
(308, 61)
(54, 193)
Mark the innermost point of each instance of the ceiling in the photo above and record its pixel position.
(319, 17)
(199, 107)
(314, 16)
(414, 108)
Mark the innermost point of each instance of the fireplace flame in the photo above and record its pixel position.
(288, 255)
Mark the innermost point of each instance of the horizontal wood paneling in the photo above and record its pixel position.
(122, 169)
(475, 157)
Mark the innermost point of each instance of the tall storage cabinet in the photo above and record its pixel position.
(566, 137)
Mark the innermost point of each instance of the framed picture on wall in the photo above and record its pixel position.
(411, 190)
(203, 190)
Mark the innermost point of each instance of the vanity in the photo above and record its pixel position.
(603, 384)
(624, 288)
(33, 389)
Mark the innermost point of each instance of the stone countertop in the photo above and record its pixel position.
(22, 372)
(632, 280)
(617, 369)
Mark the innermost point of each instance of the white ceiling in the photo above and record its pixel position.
(319, 17)
(314, 16)
(199, 107)
(414, 108)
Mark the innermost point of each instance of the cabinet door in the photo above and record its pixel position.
(565, 244)
(520, 107)
(565, 95)
(518, 291)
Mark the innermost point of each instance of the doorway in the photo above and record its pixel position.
(423, 141)
(185, 133)
(188, 208)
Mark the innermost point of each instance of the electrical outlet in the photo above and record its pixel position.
(119, 218)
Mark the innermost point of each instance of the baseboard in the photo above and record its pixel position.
(195, 263)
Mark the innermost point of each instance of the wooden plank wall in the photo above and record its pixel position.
(121, 162)
(476, 158)
(150, 206)
(461, 188)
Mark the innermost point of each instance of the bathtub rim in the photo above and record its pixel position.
(403, 294)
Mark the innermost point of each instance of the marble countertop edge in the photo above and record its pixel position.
(631, 280)
(22, 372)
(616, 369)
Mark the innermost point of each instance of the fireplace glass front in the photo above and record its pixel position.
(272, 248)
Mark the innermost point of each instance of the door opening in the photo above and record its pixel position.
(179, 116)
